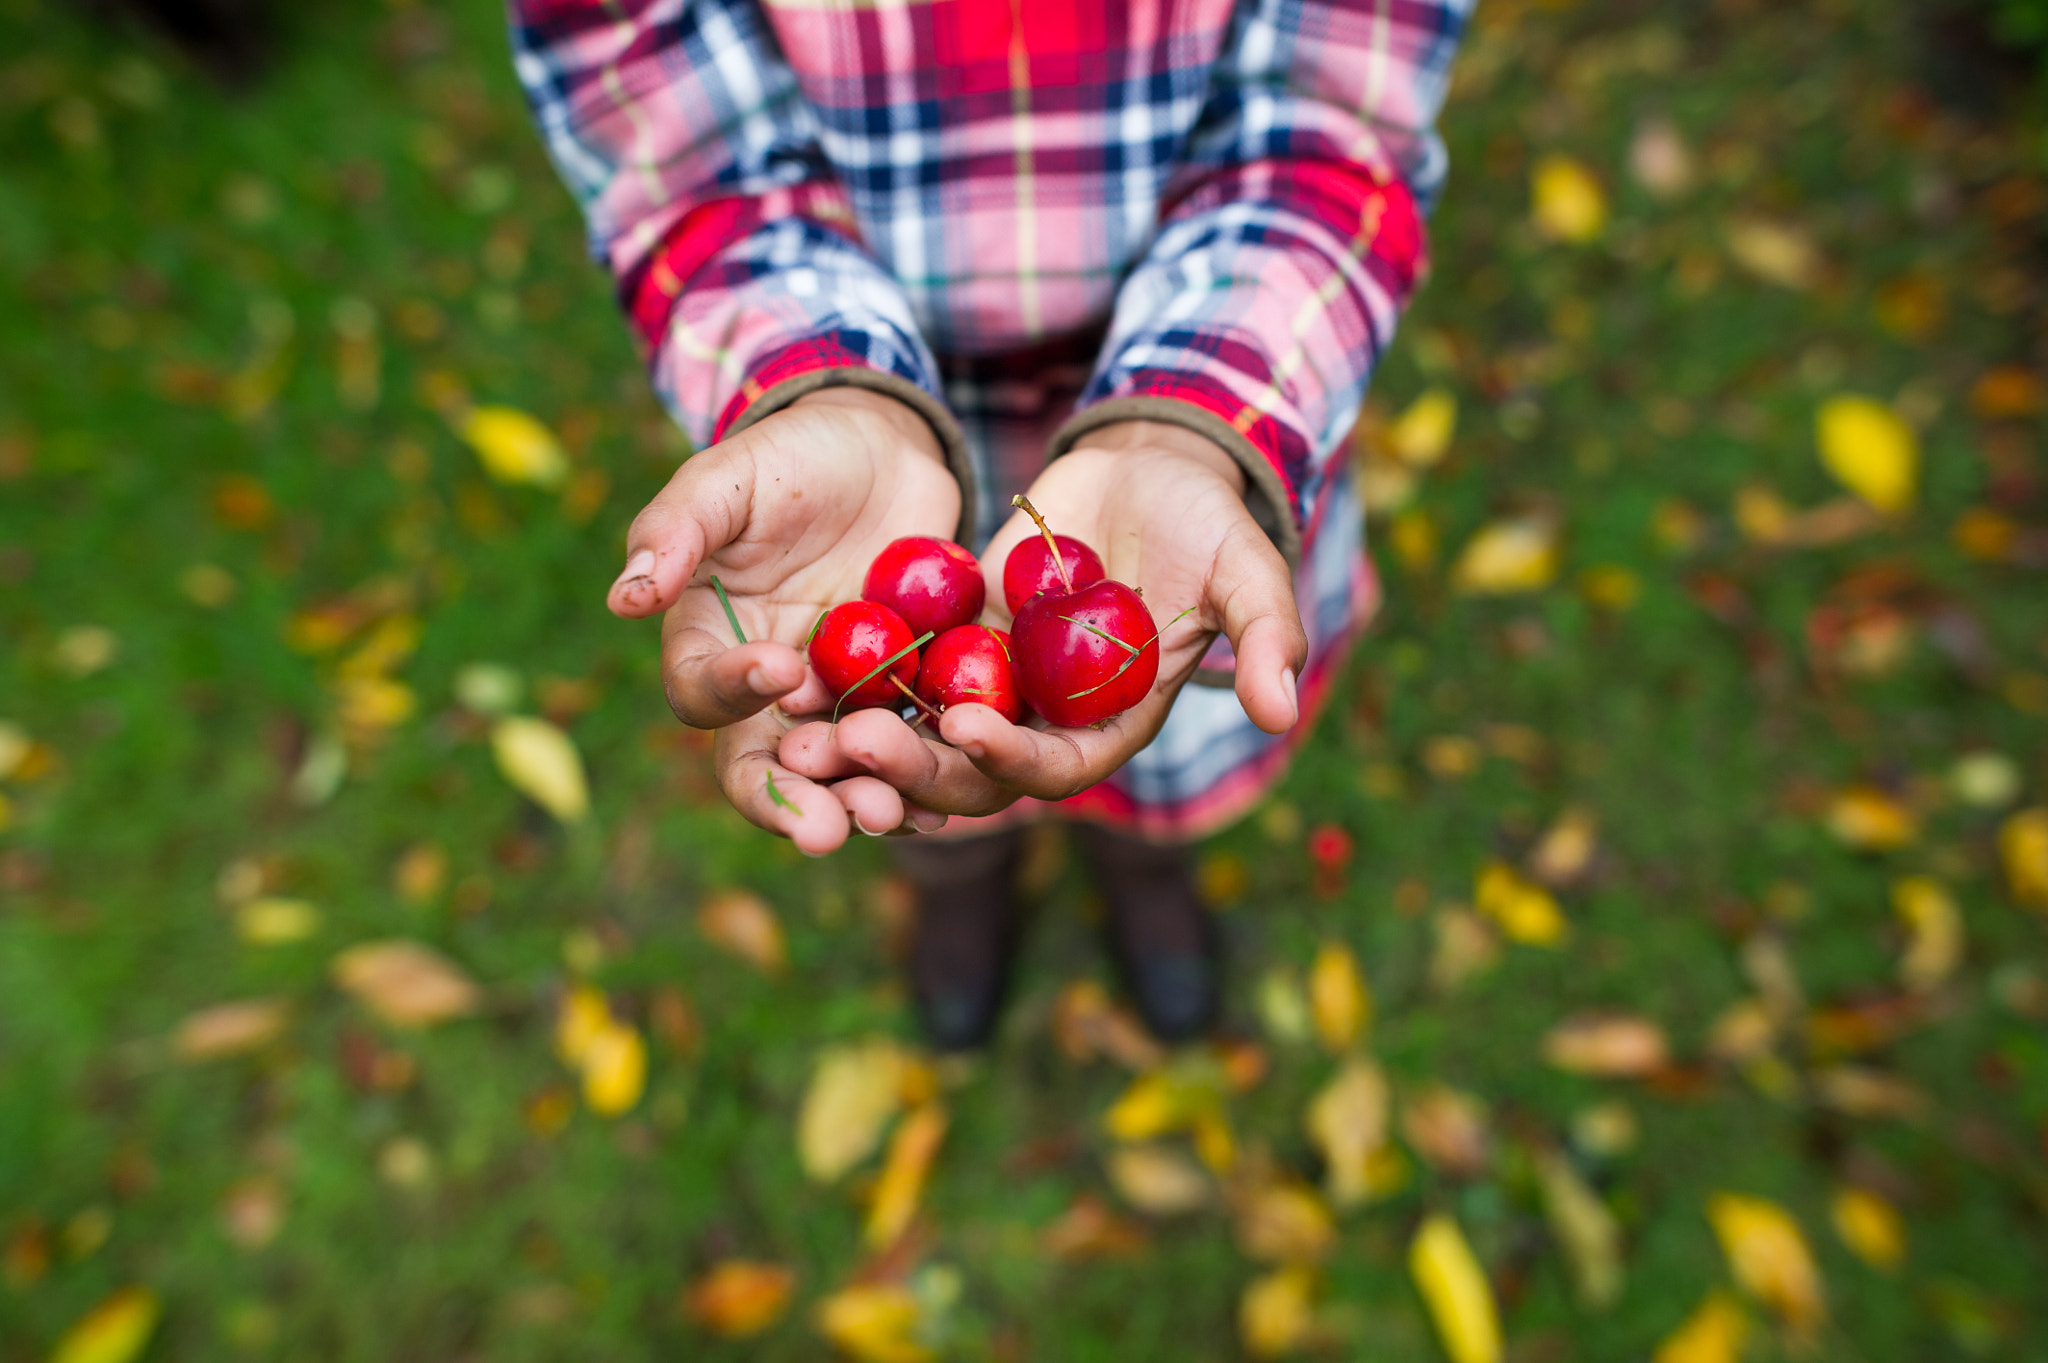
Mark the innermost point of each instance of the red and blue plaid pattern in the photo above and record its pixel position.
(1024, 208)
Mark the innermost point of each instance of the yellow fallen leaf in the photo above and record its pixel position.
(272, 921)
(1713, 1333)
(542, 764)
(228, 1029)
(15, 746)
(1869, 451)
(1275, 1316)
(1870, 1226)
(739, 1298)
(1414, 539)
(115, 1331)
(1163, 1101)
(2023, 848)
(1283, 1222)
(1347, 1121)
(1566, 201)
(1567, 847)
(1763, 516)
(405, 983)
(1585, 1229)
(1283, 1008)
(1420, 436)
(1611, 586)
(911, 1152)
(742, 923)
(1934, 927)
(873, 1323)
(1465, 947)
(1985, 780)
(584, 1013)
(1775, 252)
(1448, 1129)
(420, 872)
(1455, 1290)
(1526, 912)
(1607, 1046)
(1338, 999)
(514, 447)
(1745, 1030)
(1869, 820)
(854, 1091)
(1157, 1180)
(1768, 1257)
(1507, 557)
(614, 1069)
(371, 705)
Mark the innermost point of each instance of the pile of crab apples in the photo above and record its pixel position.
(1080, 649)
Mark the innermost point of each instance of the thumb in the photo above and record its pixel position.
(1252, 594)
(703, 509)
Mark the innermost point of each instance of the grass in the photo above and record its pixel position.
(173, 393)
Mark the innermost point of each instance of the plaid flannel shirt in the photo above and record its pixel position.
(1026, 218)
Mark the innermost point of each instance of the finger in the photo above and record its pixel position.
(773, 797)
(703, 509)
(710, 686)
(932, 775)
(811, 698)
(812, 750)
(873, 805)
(1259, 615)
(1050, 764)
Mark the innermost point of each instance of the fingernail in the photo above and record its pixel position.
(641, 564)
(924, 821)
(809, 853)
(974, 750)
(865, 830)
(1287, 685)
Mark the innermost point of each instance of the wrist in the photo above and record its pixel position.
(903, 420)
(1127, 436)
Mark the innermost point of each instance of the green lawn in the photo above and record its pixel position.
(231, 331)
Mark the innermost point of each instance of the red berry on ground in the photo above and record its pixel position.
(970, 666)
(852, 641)
(1082, 657)
(1029, 569)
(934, 584)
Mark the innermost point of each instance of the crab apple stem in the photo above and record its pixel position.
(919, 701)
(1059, 565)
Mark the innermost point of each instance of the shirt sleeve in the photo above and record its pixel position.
(681, 131)
(1292, 240)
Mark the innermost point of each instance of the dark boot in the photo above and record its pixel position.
(1161, 939)
(964, 937)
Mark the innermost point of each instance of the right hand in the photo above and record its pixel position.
(788, 514)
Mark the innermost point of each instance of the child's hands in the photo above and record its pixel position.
(787, 514)
(1164, 507)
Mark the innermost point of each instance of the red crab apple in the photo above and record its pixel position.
(933, 584)
(850, 645)
(1031, 568)
(970, 665)
(1083, 654)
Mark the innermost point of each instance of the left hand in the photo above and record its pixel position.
(1164, 507)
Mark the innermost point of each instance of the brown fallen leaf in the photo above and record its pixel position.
(1347, 1121)
(1859, 1091)
(1091, 1229)
(1585, 1229)
(1465, 947)
(741, 922)
(1448, 1129)
(740, 1298)
(406, 983)
(1567, 848)
(1608, 1046)
(227, 1029)
(1157, 1180)
(252, 1213)
(1279, 1221)
(1088, 1026)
